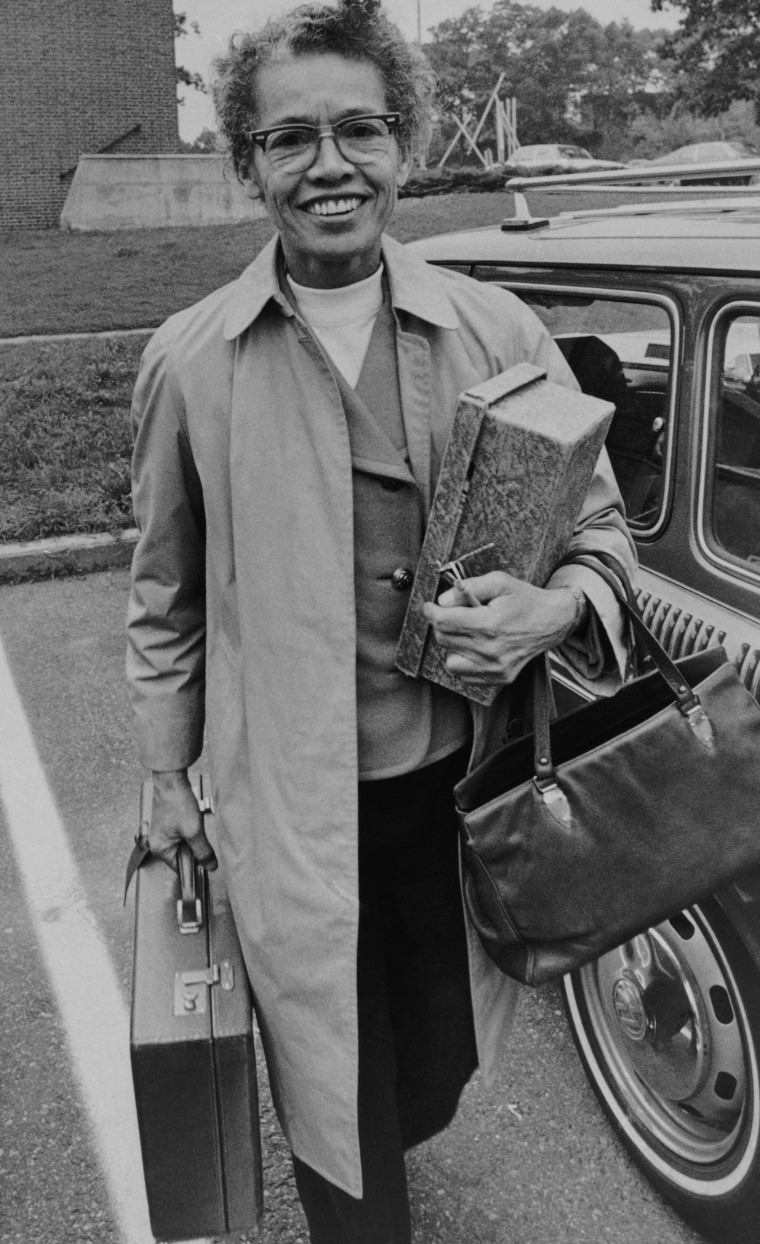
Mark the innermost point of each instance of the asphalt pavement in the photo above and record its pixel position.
(528, 1161)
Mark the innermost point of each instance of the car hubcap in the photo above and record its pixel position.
(663, 1011)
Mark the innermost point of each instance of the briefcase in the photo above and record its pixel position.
(192, 1051)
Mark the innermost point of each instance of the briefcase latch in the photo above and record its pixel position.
(191, 988)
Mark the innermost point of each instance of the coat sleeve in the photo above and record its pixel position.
(597, 654)
(166, 619)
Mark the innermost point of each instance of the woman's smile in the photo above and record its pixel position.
(330, 206)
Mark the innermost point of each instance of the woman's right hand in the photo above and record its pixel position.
(176, 817)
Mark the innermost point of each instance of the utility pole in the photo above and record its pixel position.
(419, 22)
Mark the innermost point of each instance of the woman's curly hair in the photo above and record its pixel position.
(356, 29)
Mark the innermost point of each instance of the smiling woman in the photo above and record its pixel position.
(330, 207)
(289, 431)
(321, 123)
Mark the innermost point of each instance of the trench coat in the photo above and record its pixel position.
(241, 619)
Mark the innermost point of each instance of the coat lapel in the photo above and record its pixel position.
(414, 380)
(296, 851)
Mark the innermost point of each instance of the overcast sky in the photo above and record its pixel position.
(219, 18)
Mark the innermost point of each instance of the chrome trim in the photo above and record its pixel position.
(728, 569)
(670, 306)
(555, 801)
(681, 634)
(643, 174)
(634, 180)
(701, 725)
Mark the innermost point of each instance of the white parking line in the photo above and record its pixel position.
(78, 964)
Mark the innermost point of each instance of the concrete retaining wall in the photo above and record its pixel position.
(112, 192)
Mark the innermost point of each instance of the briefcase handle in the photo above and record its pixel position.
(687, 701)
(189, 904)
(193, 893)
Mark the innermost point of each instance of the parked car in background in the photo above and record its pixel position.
(538, 160)
(657, 308)
(695, 154)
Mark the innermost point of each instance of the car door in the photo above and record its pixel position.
(668, 1025)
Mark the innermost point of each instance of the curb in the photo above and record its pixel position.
(100, 333)
(65, 555)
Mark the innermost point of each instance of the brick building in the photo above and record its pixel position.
(76, 77)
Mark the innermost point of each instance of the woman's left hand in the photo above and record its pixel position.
(512, 622)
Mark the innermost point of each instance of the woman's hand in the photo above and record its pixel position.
(513, 621)
(175, 817)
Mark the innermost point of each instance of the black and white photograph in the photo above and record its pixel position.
(380, 622)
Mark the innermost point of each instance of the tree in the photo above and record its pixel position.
(649, 135)
(184, 76)
(626, 81)
(571, 76)
(717, 51)
(205, 143)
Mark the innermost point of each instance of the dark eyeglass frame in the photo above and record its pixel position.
(391, 119)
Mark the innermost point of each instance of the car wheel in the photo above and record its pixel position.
(668, 1029)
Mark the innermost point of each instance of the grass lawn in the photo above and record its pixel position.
(64, 436)
(64, 406)
(55, 282)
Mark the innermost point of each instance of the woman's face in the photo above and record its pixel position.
(330, 216)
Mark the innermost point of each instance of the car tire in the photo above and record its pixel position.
(668, 1031)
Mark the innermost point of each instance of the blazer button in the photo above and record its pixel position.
(402, 579)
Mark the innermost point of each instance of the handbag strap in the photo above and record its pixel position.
(687, 701)
(604, 564)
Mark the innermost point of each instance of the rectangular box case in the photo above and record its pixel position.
(517, 467)
(193, 1056)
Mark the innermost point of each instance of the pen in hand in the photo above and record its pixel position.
(453, 576)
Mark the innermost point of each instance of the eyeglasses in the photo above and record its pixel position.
(360, 140)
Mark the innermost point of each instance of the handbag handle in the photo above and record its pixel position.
(602, 564)
(687, 701)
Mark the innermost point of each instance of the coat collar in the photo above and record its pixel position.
(415, 287)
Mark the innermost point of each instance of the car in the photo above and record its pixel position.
(534, 161)
(694, 154)
(656, 307)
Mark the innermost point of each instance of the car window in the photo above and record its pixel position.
(619, 350)
(733, 512)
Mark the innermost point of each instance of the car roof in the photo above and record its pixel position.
(545, 147)
(717, 235)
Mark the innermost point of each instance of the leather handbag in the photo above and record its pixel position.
(596, 826)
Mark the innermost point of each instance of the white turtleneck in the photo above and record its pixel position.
(342, 319)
